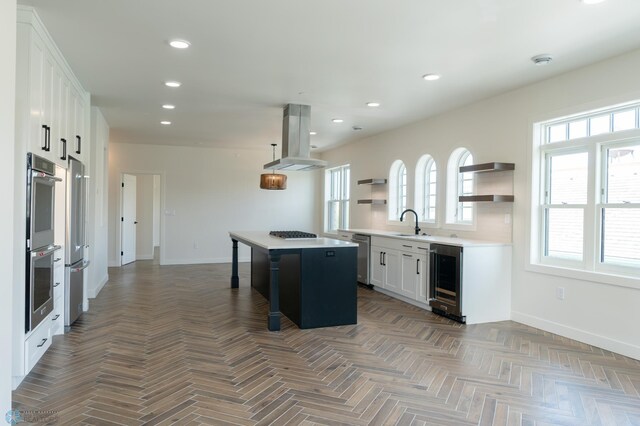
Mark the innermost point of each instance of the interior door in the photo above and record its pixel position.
(128, 219)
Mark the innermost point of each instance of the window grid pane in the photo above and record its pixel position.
(623, 174)
(338, 202)
(574, 201)
(568, 178)
(621, 236)
(429, 193)
(465, 187)
(564, 233)
(402, 189)
(597, 124)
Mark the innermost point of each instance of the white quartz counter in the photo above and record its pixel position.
(264, 240)
(453, 241)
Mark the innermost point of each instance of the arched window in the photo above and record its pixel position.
(397, 189)
(426, 188)
(459, 184)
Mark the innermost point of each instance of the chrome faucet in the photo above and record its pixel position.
(416, 215)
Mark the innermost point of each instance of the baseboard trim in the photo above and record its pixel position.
(93, 292)
(200, 261)
(402, 298)
(603, 342)
(145, 257)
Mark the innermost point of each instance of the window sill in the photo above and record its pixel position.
(596, 277)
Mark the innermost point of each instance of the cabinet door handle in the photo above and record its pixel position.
(47, 138)
(56, 317)
(79, 148)
(407, 255)
(64, 149)
(57, 259)
(44, 140)
(404, 245)
(42, 343)
(384, 258)
(417, 266)
(56, 285)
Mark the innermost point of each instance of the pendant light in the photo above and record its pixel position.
(273, 180)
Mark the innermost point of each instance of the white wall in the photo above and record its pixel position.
(97, 204)
(205, 193)
(7, 183)
(144, 217)
(500, 129)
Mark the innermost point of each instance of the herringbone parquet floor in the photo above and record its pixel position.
(165, 345)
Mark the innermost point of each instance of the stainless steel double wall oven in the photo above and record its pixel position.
(41, 186)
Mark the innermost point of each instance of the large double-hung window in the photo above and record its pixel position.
(336, 198)
(588, 216)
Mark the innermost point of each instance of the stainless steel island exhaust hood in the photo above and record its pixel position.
(296, 141)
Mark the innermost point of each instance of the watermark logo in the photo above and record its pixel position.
(13, 416)
(30, 416)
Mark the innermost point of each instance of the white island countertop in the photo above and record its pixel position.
(452, 241)
(268, 242)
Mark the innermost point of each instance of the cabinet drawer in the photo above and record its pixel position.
(57, 320)
(37, 343)
(400, 244)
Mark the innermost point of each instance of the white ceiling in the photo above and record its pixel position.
(248, 58)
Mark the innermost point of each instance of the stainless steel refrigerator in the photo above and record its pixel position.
(76, 264)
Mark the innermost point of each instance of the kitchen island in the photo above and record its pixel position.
(311, 281)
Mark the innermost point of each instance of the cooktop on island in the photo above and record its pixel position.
(293, 235)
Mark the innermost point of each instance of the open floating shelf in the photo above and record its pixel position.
(373, 202)
(488, 167)
(489, 198)
(372, 181)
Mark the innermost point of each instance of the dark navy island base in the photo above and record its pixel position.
(312, 282)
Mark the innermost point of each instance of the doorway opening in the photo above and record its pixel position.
(140, 218)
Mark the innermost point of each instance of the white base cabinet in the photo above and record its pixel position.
(400, 267)
(37, 343)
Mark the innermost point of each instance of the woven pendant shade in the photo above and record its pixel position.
(273, 180)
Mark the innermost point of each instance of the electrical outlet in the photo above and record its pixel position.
(560, 293)
(507, 218)
(196, 245)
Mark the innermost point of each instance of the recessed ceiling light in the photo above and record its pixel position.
(542, 60)
(373, 104)
(431, 77)
(168, 106)
(165, 123)
(591, 1)
(179, 44)
(357, 128)
(313, 133)
(172, 83)
(338, 120)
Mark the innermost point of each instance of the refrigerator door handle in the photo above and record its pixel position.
(84, 266)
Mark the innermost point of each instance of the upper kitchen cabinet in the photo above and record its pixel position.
(51, 105)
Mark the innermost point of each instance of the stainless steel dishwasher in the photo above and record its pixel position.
(363, 241)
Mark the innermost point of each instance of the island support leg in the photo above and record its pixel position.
(274, 293)
(235, 280)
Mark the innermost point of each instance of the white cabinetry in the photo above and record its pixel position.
(400, 267)
(385, 267)
(37, 343)
(51, 107)
(57, 320)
